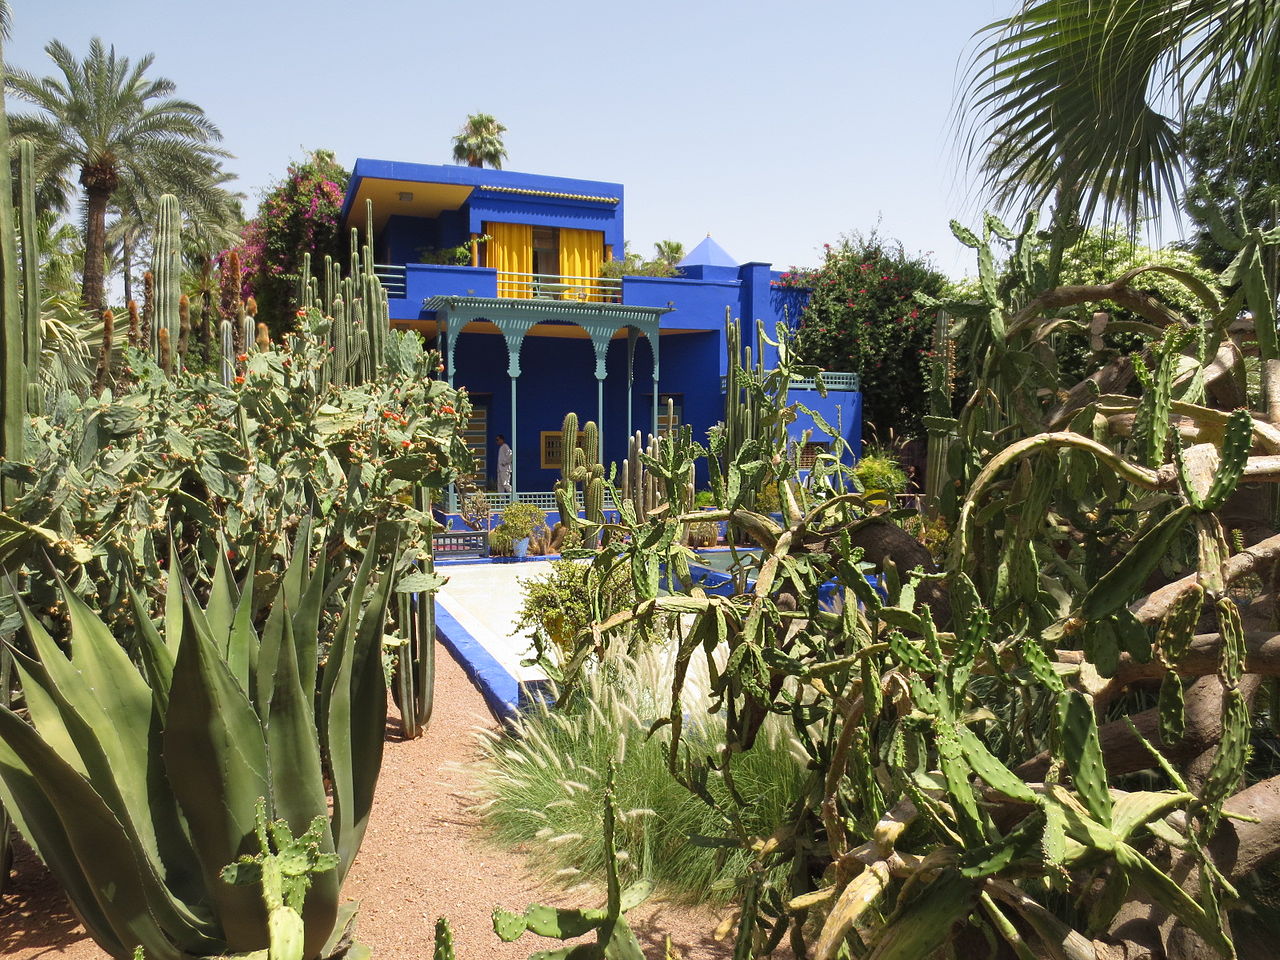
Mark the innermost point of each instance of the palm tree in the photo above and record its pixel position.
(104, 119)
(1080, 101)
(669, 252)
(211, 215)
(480, 142)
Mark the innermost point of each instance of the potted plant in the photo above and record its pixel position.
(519, 521)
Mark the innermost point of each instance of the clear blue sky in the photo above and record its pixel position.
(775, 127)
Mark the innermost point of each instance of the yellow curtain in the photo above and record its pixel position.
(581, 254)
(510, 251)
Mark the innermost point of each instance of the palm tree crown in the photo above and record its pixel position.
(1081, 100)
(480, 142)
(104, 120)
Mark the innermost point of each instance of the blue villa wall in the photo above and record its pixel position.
(558, 372)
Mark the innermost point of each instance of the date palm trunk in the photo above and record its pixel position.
(99, 181)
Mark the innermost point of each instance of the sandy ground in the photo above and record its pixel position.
(424, 856)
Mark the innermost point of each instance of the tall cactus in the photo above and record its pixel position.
(31, 292)
(166, 266)
(146, 338)
(13, 368)
(103, 370)
(227, 341)
(184, 329)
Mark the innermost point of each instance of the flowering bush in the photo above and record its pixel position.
(299, 215)
(862, 316)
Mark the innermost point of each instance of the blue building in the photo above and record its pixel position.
(502, 271)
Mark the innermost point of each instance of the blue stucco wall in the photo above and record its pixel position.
(423, 280)
(841, 409)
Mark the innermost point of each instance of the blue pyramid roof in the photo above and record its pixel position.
(708, 254)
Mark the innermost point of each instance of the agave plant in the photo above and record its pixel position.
(146, 788)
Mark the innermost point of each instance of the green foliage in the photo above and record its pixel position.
(614, 938)
(959, 730)
(879, 471)
(862, 316)
(236, 468)
(667, 253)
(480, 142)
(298, 217)
(1220, 178)
(140, 784)
(556, 603)
(521, 520)
(542, 787)
(106, 126)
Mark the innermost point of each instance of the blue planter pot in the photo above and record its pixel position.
(521, 548)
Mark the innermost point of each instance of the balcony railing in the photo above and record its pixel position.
(831, 379)
(393, 279)
(545, 286)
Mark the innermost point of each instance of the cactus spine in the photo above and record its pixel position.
(135, 325)
(164, 352)
(145, 339)
(103, 370)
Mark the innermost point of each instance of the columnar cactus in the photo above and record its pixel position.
(135, 325)
(145, 335)
(226, 339)
(166, 266)
(103, 370)
(184, 329)
(31, 292)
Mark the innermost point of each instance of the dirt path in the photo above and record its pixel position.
(424, 856)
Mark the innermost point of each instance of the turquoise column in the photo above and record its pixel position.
(631, 373)
(514, 338)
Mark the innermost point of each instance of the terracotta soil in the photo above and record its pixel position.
(425, 855)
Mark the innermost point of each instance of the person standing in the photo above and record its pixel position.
(504, 465)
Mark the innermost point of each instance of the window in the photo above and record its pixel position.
(552, 447)
(670, 411)
(810, 452)
(546, 251)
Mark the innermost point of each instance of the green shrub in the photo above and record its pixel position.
(862, 316)
(542, 785)
(879, 471)
(557, 605)
(521, 520)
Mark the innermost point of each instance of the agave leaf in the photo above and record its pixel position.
(65, 816)
(173, 601)
(242, 639)
(354, 709)
(155, 654)
(221, 608)
(217, 763)
(160, 847)
(298, 780)
(109, 712)
(306, 622)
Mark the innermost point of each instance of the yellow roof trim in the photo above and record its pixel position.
(524, 191)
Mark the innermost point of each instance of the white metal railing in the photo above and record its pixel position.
(831, 379)
(547, 286)
(393, 279)
(542, 499)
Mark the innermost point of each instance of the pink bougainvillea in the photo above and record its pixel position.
(299, 215)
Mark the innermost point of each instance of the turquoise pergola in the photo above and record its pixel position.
(514, 318)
